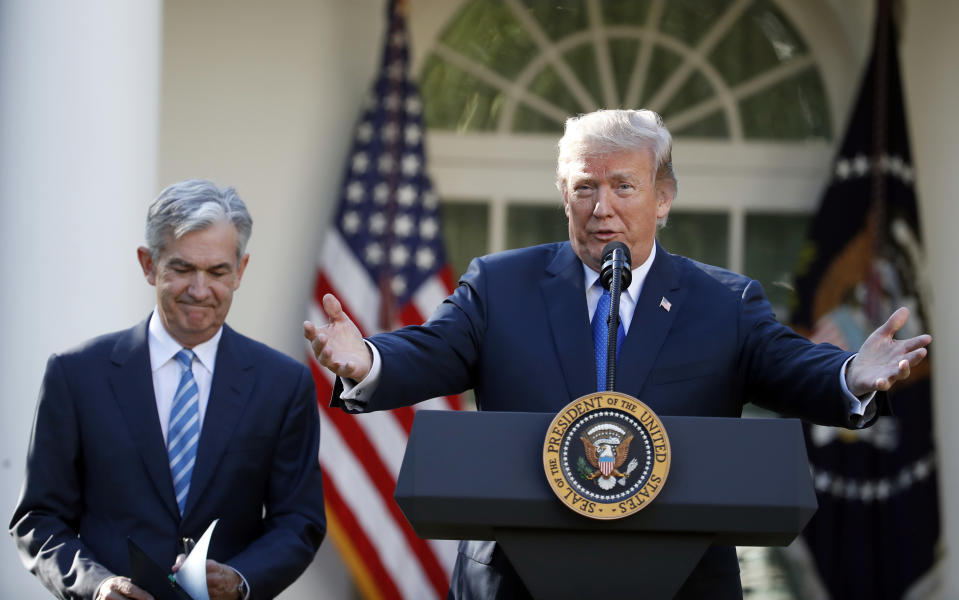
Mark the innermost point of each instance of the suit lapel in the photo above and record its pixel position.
(651, 323)
(132, 382)
(232, 385)
(565, 299)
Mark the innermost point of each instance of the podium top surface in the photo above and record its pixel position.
(466, 474)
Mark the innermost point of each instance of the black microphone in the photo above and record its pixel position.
(613, 259)
(615, 275)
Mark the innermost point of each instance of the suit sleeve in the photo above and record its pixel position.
(437, 358)
(787, 373)
(45, 523)
(294, 522)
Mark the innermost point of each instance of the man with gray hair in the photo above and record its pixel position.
(153, 432)
(697, 340)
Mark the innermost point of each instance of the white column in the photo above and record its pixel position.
(78, 137)
(928, 58)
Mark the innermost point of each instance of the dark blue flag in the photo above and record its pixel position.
(876, 531)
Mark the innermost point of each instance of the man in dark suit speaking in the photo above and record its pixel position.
(699, 340)
(153, 432)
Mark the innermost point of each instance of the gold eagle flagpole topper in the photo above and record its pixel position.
(606, 455)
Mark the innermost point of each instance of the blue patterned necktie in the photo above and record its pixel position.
(184, 431)
(601, 338)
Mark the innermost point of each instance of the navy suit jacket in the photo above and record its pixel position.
(517, 331)
(98, 471)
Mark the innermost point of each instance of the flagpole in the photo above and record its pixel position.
(877, 221)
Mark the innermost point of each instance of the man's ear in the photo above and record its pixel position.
(240, 268)
(664, 198)
(146, 263)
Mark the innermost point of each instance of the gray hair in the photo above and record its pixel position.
(605, 131)
(193, 205)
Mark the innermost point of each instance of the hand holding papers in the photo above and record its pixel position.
(192, 574)
(189, 583)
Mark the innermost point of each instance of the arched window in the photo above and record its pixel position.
(712, 69)
(738, 82)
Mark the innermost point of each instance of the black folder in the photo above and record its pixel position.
(147, 574)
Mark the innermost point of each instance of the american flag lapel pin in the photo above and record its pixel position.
(665, 304)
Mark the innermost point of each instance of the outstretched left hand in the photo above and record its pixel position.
(884, 360)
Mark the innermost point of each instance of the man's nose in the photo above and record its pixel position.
(603, 206)
(199, 285)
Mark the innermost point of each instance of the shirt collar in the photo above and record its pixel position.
(639, 276)
(163, 347)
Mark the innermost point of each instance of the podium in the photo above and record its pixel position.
(479, 476)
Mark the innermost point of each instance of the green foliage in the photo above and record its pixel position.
(583, 468)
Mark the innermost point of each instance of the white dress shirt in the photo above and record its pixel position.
(167, 370)
(629, 297)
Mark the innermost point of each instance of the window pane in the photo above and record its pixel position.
(622, 54)
(625, 13)
(530, 120)
(465, 227)
(582, 61)
(455, 100)
(794, 109)
(712, 126)
(488, 33)
(689, 20)
(696, 89)
(701, 236)
(772, 249)
(550, 86)
(528, 225)
(558, 19)
(760, 40)
(661, 66)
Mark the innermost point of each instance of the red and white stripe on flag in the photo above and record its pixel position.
(383, 257)
(606, 465)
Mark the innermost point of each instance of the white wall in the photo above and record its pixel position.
(263, 96)
(929, 49)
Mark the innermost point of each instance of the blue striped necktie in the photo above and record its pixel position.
(184, 431)
(601, 338)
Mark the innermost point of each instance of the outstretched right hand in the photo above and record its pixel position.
(338, 345)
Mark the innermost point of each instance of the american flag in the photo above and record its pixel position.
(383, 257)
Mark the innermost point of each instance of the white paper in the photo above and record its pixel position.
(192, 574)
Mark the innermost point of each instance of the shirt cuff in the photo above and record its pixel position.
(356, 394)
(246, 585)
(861, 408)
(96, 592)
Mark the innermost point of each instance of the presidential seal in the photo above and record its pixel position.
(606, 455)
